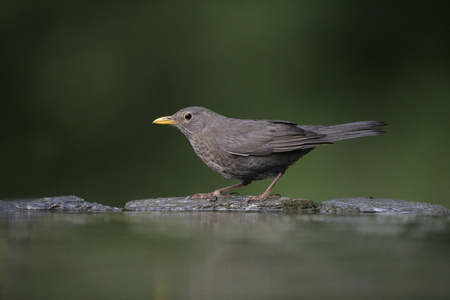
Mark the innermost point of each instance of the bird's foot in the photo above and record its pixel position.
(219, 193)
(261, 197)
(209, 196)
(275, 196)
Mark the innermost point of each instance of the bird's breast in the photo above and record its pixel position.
(211, 155)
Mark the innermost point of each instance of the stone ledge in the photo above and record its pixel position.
(380, 206)
(59, 203)
(346, 206)
(233, 203)
(355, 205)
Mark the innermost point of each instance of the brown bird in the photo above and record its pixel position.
(251, 150)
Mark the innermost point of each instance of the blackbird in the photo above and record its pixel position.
(251, 150)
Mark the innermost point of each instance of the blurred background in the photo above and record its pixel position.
(82, 81)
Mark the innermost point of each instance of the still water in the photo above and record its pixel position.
(213, 255)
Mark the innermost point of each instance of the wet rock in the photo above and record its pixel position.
(336, 206)
(60, 203)
(380, 206)
(233, 203)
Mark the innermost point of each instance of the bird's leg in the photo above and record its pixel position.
(219, 192)
(266, 193)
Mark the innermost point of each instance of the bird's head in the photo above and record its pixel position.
(190, 120)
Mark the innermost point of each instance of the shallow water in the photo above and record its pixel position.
(47, 255)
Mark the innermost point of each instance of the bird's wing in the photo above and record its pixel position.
(264, 137)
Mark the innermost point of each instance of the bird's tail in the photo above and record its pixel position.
(347, 131)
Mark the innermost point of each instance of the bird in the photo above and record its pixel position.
(250, 150)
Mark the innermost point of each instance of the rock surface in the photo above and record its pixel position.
(61, 203)
(381, 206)
(335, 206)
(233, 204)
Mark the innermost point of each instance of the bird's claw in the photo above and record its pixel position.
(261, 198)
(207, 196)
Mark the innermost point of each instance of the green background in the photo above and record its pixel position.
(82, 81)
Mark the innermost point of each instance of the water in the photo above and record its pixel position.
(207, 255)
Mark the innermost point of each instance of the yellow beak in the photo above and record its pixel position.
(166, 121)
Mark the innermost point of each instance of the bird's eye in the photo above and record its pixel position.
(187, 116)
